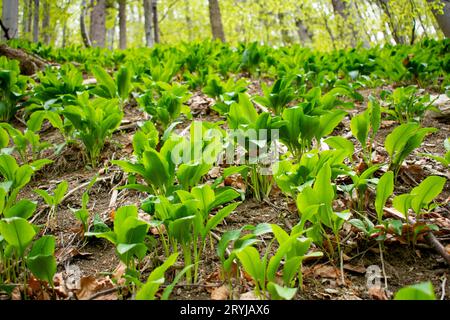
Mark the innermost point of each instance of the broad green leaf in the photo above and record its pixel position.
(17, 232)
(276, 291)
(421, 291)
(426, 191)
(385, 188)
(41, 259)
(155, 279)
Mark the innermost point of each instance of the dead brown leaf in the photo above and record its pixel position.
(220, 293)
(90, 286)
(248, 296)
(326, 271)
(119, 272)
(356, 269)
(377, 293)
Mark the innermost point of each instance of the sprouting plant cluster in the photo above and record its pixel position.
(306, 96)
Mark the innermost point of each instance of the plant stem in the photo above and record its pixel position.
(187, 261)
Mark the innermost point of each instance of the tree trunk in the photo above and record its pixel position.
(384, 5)
(215, 19)
(26, 8)
(64, 34)
(10, 17)
(84, 34)
(46, 22)
(443, 20)
(148, 23)
(97, 30)
(303, 33)
(36, 21)
(29, 64)
(187, 10)
(341, 8)
(155, 21)
(285, 38)
(123, 24)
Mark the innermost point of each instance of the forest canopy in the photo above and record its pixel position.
(320, 24)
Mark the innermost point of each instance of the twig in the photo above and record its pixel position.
(382, 266)
(104, 292)
(431, 239)
(444, 282)
(83, 185)
(201, 285)
(215, 236)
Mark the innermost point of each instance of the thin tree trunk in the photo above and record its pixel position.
(341, 8)
(64, 34)
(97, 29)
(24, 19)
(215, 19)
(284, 32)
(148, 23)
(384, 5)
(29, 17)
(83, 31)
(155, 21)
(10, 19)
(187, 10)
(46, 22)
(443, 20)
(36, 21)
(122, 24)
(303, 33)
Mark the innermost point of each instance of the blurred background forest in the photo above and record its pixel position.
(320, 24)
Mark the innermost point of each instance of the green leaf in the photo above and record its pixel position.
(21, 209)
(425, 192)
(218, 217)
(123, 82)
(360, 127)
(105, 81)
(402, 203)
(276, 291)
(17, 232)
(421, 291)
(251, 261)
(155, 279)
(385, 188)
(41, 259)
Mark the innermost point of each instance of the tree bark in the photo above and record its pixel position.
(29, 64)
(10, 17)
(187, 10)
(83, 31)
(97, 30)
(215, 19)
(36, 21)
(148, 23)
(303, 33)
(46, 22)
(384, 6)
(443, 20)
(123, 24)
(155, 21)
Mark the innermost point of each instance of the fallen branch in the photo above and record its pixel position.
(104, 292)
(431, 239)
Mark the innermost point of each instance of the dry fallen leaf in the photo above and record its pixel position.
(119, 272)
(357, 269)
(326, 271)
(220, 293)
(447, 248)
(90, 286)
(377, 293)
(248, 296)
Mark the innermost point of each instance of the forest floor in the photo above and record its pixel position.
(404, 264)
